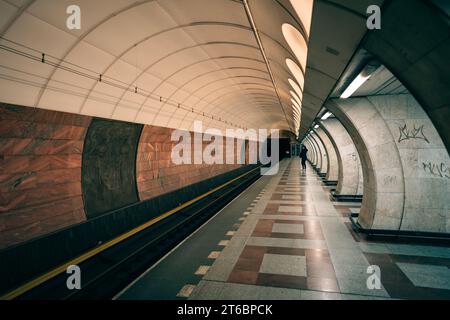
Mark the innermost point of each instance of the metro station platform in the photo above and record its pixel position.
(135, 137)
(283, 238)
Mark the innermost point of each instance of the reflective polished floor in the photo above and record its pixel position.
(293, 242)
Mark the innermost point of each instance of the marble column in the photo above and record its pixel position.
(405, 163)
(333, 166)
(350, 181)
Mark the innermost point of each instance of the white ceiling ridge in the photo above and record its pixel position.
(266, 107)
(80, 38)
(20, 11)
(145, 70)
(119, 57)
(183, 49)
(209, 60)
(239, 85)
(232, 78)
(131, 85)
(65, 91)
(194, 41)
(249, 89)
(197, 62)
(122, 10)
(227, 110)
(179, 88)
(252, 95)
(57, 89)
(171, 102)
(258, 39)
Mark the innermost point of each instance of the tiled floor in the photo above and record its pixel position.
(295, 243)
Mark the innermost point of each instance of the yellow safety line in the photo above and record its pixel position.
(62, 268)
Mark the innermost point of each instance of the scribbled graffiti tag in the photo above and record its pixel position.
(390, 180)
(437, 170)
(415, 133)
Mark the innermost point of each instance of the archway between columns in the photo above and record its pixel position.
(383, 202)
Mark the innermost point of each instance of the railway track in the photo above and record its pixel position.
(105, 272)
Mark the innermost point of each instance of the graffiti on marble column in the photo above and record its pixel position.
(390, 180)
(415, 133)
(437, 170)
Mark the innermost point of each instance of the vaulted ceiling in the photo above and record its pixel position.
(229, 63)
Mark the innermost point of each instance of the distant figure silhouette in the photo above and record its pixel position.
(303, 156)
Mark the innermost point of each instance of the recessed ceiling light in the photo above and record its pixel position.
(296, 42)
(304, 9)
(326, 115)
(296, 72)
(296, 88)
(294, 95)
(362, 77)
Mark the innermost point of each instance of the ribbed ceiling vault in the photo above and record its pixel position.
(160, 62)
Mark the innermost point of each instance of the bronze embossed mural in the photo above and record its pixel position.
(109, 166)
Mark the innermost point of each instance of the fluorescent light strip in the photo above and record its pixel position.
(355, 85)
(326, 115)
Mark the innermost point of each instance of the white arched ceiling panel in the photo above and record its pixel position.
(262, 104)
(196, 52)
(297, 43)
(193, 82)
(253, 92)
(231, 49)
(93, 12)
(210, 31)
(293, 94)
(240, 61)
(180, 76)
(201, 10)
(296, 88)
(206, 78)
(40, 35)
(296, 105)
(8, 13)
(270, 16)
(244, 106)
(112, 37)
(154, 48)
(296, 72)
(95, 59)
(231, 82)
(236, 90)
(304, 9)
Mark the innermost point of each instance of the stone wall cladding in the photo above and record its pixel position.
(40, 172)
(157, 174)
(425, 161)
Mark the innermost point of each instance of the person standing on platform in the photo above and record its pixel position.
(303, 156)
